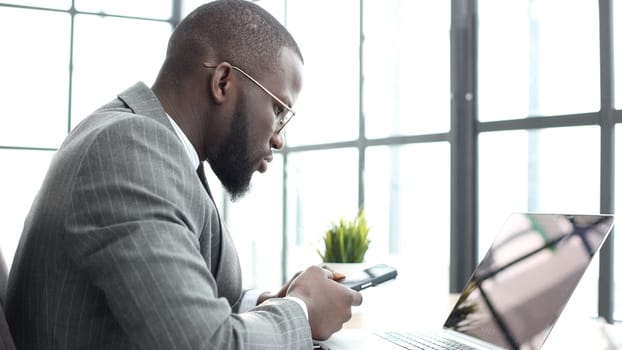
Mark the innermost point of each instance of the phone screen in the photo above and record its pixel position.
(370, 277)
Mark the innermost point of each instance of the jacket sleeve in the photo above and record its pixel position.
(134, 230)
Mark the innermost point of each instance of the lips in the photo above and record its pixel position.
(263, 164)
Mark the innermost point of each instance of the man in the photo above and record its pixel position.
(123, 246)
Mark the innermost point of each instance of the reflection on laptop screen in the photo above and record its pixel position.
(523, 283)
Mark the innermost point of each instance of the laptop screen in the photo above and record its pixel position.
(520, 288)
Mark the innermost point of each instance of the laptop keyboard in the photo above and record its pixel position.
(428, 341)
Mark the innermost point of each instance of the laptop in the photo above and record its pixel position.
(516, 293)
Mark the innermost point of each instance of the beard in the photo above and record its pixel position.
(232, 165)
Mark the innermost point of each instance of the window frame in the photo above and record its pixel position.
(462, 136)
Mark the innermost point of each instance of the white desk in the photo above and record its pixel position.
(390, 307)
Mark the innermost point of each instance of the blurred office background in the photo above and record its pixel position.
(438, 117)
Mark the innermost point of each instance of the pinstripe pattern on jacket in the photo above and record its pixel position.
(116, 249)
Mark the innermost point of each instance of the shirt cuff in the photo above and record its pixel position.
(301, 303)
(249, 300)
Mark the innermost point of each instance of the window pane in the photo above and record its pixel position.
(407, 205)
(139, 8)
(617, 46)
(188, 6)
(255, 223)
(406, 67)
(532, 61)
(321, 187)
(21, 176)
(111, 54)
(328, 106)
(617, 312)
(540, 171)
(275, 7)
(34, 80)
(52, 4)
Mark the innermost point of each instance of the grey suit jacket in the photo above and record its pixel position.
(123, 248)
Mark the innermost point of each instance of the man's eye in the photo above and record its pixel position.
(278, 110)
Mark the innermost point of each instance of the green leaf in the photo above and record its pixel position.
(346, 241)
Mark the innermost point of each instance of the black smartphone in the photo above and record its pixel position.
(370, 277)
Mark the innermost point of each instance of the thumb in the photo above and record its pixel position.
(357, 298)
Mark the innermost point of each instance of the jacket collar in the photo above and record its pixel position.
(142, 101)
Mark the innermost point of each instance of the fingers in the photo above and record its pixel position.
(327, 272)
(357, 298)
(338, 276)
(329, 304)
(335, 276)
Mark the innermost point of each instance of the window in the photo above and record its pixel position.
(534, 61)
(321, 187)
(545, 171)
(406, 88)
(102, 66)
(159, 9)
(322, 166)
(540, 61)
(56, 75)
(537, 171)
(374, 122)
(329, 101)
(37, 71)
(407, 205)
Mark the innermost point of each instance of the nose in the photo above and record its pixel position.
(277, 141)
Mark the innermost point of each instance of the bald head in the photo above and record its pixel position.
(223, 111)
(235, 31)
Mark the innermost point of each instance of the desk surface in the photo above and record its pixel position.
(393, 307)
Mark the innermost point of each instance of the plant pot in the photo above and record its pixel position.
(346, 268)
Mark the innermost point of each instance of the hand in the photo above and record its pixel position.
(265, 296)
(337, 276)
(329, 303)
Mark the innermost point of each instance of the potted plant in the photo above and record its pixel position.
(346, 242)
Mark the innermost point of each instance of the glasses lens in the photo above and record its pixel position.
(283, 121)
(287, 117)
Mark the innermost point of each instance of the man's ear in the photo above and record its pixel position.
(220, 83)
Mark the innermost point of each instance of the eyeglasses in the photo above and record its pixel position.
(283, 112)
